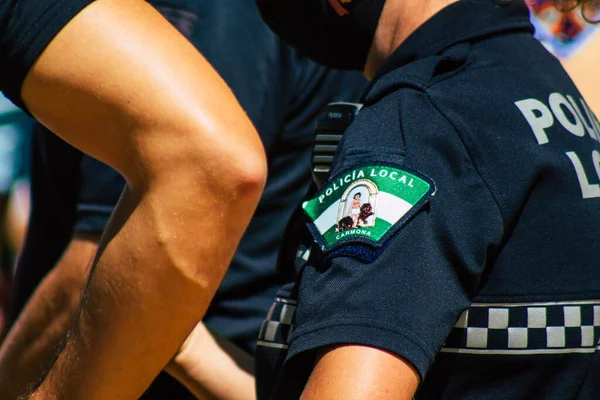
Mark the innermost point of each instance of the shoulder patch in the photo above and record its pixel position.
(366, 205)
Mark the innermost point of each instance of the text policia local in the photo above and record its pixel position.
(577, 119)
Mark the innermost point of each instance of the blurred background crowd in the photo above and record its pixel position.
(15, 150)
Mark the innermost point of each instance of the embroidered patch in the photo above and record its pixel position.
(366, 205)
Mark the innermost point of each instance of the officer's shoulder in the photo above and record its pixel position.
(421, 75)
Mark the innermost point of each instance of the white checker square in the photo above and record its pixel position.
(477, 338)
(517, 338)
(306, 255)
(587, 336)
(463, 320)
(596, 315)
(271, 331)
(555, 336)
(498, 318)
(572, 316)
(287, 314)
(536, 317)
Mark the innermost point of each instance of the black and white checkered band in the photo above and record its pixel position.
(527, 328)
(276, 330)
(302, 255)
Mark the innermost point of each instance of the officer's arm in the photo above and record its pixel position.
(213, 368)
(120, 83)
(45, 320)
(360, 372)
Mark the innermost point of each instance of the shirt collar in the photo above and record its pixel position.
(462, 21)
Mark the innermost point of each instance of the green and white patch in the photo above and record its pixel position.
(366, 204)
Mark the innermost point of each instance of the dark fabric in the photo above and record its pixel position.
(332, 33)
(26, 28)
(282, 94)
(492, 289)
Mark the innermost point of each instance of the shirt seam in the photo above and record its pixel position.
(362, 322)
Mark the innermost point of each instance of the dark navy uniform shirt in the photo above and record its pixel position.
(460, 226)
(282, 94)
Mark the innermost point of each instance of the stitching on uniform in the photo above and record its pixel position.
(412, 83)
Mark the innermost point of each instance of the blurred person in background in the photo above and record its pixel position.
(15, 143)
(573, 37)
(73, 195)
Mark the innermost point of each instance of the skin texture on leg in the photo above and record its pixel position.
(122, 85)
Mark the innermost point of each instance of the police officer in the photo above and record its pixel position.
(473, 271)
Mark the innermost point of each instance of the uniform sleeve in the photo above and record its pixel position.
(406, 295)
(100, 190)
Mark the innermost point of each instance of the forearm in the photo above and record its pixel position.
(213, 368)
(33, 341)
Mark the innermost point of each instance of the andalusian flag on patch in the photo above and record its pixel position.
(366, 204)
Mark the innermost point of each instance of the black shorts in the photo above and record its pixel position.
(26, 28)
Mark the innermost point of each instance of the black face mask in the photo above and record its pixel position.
(335, 33)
